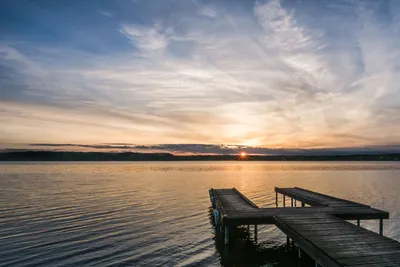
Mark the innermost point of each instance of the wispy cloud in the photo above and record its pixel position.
(216, 149)
(270, 73)
(205, 10)
(148, 40)
(106, 13)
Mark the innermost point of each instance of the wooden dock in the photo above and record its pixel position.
(320, 229)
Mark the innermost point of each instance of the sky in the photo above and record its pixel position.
(191, 76)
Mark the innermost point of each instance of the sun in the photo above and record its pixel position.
(242, 156)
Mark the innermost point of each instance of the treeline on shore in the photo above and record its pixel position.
(133, 156)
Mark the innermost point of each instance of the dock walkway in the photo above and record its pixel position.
(316, 199)
(320, 230)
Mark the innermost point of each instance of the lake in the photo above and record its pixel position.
(157, 213)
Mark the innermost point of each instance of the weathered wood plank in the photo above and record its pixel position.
(322, 199)
(392, 258)
(344, 242)
(381, 264)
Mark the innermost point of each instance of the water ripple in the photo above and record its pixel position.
(134, 214)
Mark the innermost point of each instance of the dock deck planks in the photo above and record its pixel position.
(320, 229)
(334, 242)
(316, 199)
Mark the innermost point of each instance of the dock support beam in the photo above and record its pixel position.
(358, 223)
(381, 226)
(287, 240)
(226, 234)
(303, 204)
(276, 199)
(284, 201)
(291, 202)
(255, 233)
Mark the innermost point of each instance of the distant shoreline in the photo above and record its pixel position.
(134, 156)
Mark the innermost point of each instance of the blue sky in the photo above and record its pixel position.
(273, 74)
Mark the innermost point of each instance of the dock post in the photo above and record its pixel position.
(291, 202)
(255, 233)
(295, 202)
(221, 225)
(226, 234)
(226, 258)
(287, 240)
(217, 218)
(212, 198)
(299, 253)
(284, 201)
(276, 199)
(381, 226)
(358, 223)
(303, 204)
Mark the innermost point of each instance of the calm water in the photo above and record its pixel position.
(157, 214)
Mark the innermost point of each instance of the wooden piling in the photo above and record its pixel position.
(226, 234)
(255, 233)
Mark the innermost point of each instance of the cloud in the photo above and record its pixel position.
(281, 29)
(208, 12)
(13, 58)
(274, 74)
(220, 149)
(148, 40)
(106, 13)
(205, 10)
